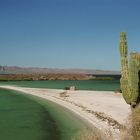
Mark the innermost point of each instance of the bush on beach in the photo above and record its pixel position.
(87, 135)
(93, 135)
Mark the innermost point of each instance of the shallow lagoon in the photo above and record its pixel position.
(25, 117)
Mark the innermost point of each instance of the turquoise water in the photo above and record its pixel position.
(26, 117)
(107, 85)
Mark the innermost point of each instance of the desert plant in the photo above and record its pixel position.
(130, 86)
(129, 73)
(131, 130)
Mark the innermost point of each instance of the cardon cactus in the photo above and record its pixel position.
(130, 73)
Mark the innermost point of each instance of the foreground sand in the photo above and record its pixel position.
(104, 110)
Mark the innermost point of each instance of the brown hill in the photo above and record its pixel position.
(35, 70)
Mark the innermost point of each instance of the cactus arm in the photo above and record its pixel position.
(134, 77)
(126, 91)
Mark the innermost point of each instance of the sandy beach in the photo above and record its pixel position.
(107, 111)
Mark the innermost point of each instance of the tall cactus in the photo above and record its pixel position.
(130, 74)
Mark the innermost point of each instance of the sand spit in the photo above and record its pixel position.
(105, 110)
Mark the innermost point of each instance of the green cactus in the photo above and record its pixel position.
(130, 74)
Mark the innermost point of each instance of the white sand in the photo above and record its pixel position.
(104, 110)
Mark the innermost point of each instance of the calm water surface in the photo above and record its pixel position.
(26, 117)
(101, 85)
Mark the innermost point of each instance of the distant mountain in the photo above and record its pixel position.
(34, 70)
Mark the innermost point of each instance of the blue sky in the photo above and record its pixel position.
(67, 33)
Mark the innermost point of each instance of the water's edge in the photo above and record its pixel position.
(68, 123)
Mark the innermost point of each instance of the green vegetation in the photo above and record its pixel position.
(130, 73)
(130, 86)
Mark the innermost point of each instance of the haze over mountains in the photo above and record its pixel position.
(30, 70)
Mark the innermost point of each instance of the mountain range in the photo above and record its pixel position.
(37, 70)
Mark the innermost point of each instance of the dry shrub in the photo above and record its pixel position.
(135, 119)
(93, 135)
(125, 132)
(132, 129)
(87, 135)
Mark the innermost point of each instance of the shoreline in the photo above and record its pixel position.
(106, 111)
